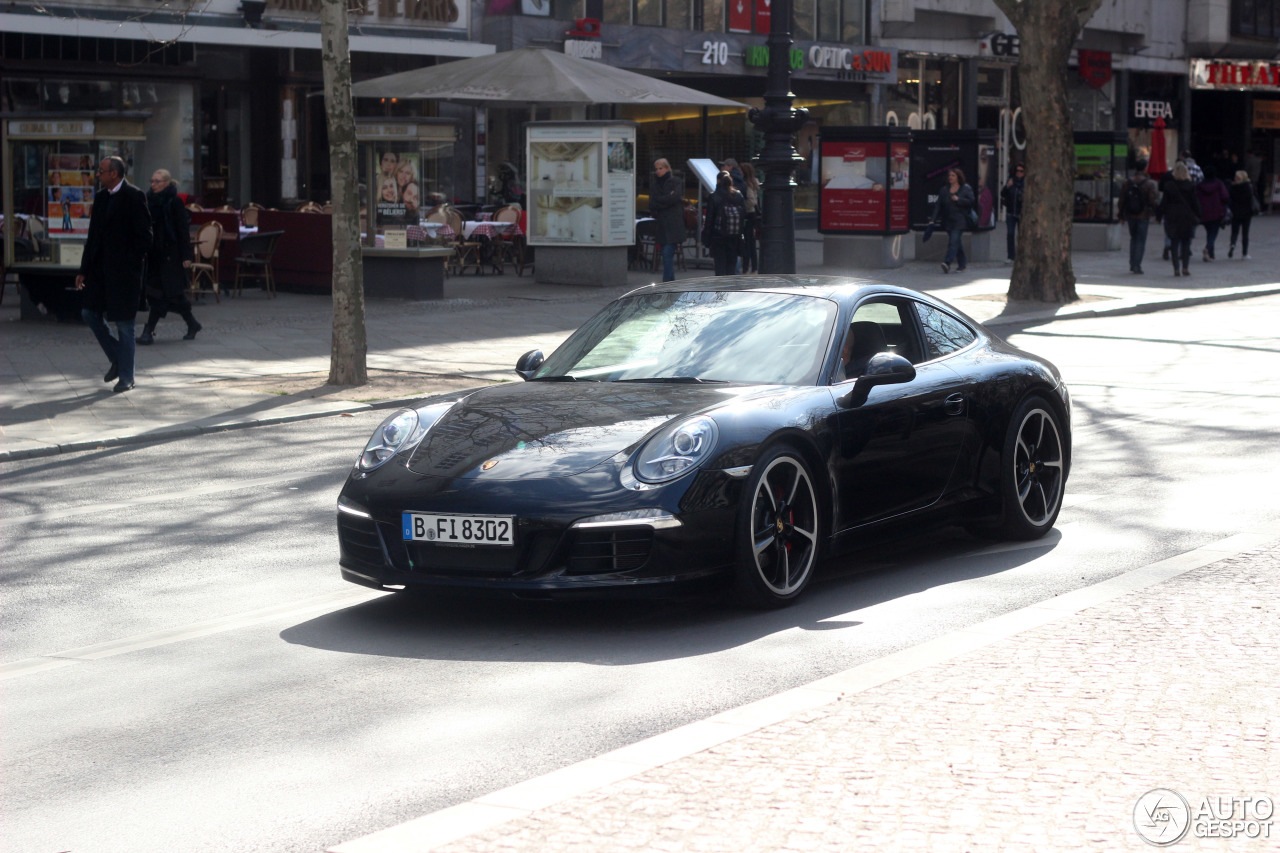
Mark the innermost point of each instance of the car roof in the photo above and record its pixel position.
(839, 288)
(842, 289)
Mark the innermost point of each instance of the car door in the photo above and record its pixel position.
(895, 452)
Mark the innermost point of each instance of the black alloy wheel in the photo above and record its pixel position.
(1034, 475)
(779, 531)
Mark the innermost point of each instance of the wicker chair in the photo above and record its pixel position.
(204, 269)
(509, 248)
(310, 207)
(250, 214)
(466, 254)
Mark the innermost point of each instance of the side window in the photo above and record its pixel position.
(880, 326)
(943, 333)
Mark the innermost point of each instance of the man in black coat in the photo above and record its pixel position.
(111, 268)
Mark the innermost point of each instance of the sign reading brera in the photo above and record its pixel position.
(1241, 74)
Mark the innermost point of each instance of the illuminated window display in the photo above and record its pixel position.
(581, 184)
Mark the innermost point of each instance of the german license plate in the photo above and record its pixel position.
(459, 529)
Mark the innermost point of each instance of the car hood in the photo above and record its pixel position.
(537, 430)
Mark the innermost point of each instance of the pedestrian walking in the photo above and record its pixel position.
(1212, 195)
(750, 251)
(722, 231)
(170, 258)
(1244, 205)
(731, 166)
(110, 277)
(1137, 205)
(954, 212)
(1180, 213)
(666, 206)
(1194, 171)
(1011, 198)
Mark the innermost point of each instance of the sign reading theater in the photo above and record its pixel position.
(1226, 74)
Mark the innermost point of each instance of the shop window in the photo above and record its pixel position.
(853, 21)
(617, 11)
(708, 15)
(567, 10)
(1259, 18)
(830, 20)
(677, 14)
(648, 12)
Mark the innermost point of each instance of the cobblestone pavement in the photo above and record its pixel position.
(1042, 740)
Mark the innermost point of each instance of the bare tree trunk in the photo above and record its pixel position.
(347, 353)
(1047, 30)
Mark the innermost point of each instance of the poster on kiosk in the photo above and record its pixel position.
(936, 152)
(865, 173)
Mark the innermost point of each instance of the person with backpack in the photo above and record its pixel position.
(1138, 202)
(955, 211)
(722, 234)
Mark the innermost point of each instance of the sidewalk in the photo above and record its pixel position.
(53, 400)
(1041, 729)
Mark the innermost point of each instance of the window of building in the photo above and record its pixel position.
(1259, 18)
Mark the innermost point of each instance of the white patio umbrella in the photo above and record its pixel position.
(533, 76)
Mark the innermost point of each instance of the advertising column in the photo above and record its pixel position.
(864, 174)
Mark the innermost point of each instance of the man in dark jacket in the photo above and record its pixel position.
(111, 268)
(1011, 198)
(1138, 216)
(666, 206)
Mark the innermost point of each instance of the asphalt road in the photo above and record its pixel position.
(184, 670)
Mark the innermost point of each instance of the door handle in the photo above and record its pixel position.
(954, 404)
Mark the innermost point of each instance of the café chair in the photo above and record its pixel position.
(327, 208)
(226, 208)
(254, 260)
(646, 255)
(310, 207)
(509, 248)
(466, 253)
(204, 269)
(250, 214)
(194, 207)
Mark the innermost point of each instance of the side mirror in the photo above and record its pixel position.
(528, 364)
(884, 368)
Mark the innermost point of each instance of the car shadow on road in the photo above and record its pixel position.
(624, 633)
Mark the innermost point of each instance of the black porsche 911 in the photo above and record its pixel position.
(712, 431)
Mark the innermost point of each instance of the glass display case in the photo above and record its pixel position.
(582, 183)
(50, 184)
(1101, 164)
(406, 168)
(864, 175)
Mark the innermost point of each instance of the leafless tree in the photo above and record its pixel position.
(1047, 29)
(350, 344)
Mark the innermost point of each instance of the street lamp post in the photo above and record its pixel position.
(779, 123)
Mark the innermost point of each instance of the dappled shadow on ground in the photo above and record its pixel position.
(620, 633)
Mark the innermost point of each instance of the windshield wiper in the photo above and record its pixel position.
(562, 378)
(677, 380)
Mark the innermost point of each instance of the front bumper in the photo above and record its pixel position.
(550, 555)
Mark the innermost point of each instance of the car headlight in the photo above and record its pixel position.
(676, 449)
(403, 430)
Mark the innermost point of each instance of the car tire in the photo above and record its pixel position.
(779, 531)
(1033, 471)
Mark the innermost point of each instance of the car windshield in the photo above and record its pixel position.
(707, 336)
